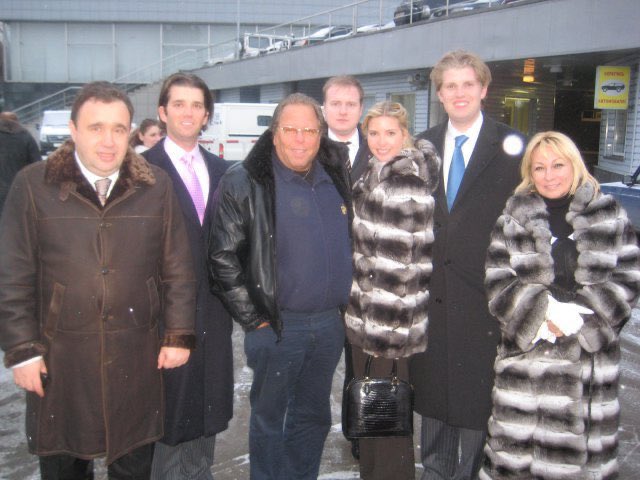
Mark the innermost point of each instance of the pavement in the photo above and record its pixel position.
(232, 458)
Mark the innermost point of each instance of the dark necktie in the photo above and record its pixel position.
(102, 187)
(456, 170)
(347, 162)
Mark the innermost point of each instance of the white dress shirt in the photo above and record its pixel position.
(175, 153)
(354, 144)
(467, 147)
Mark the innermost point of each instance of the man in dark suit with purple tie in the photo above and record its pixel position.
(199, 396)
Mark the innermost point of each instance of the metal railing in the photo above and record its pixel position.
(60, 100)
(230, 50)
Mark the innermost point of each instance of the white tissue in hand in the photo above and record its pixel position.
(566, 316)
(544, 334)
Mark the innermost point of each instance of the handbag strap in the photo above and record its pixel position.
(367, 367)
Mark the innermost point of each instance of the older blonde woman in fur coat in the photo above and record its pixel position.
(392, 237)
(562, 277)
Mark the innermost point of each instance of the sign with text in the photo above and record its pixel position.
(612, 88)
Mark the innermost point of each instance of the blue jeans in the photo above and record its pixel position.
(290, 410)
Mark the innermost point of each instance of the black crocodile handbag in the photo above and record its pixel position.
(379, 407)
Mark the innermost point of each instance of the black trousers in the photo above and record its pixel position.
(135, 465)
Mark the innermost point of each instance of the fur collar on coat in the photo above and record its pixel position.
(258, 163)
(555, 412)
(393, 234)
(62, 169)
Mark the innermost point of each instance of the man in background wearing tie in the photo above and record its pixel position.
(93, 262)
(343, 97)
(342, 108)
(454, 377)
(199, 396)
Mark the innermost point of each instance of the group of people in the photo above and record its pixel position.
(497, 281)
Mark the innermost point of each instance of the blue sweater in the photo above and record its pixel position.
(313, 251)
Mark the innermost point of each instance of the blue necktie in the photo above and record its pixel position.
(456, 170)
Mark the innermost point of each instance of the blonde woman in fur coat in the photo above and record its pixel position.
(562, 277)
(392, 237)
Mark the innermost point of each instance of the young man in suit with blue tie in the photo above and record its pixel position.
(454, 377)
(199, 396)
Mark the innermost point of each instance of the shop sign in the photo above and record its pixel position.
(612, 88)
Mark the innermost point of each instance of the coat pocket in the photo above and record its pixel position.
(53, 312)
(154, 301)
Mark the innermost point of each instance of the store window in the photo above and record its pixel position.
(518, 113)
(615, 132)
(408, 101)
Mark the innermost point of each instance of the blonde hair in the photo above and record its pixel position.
(393, 110)
(460, 59)
(563, 146)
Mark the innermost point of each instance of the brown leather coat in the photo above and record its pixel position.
(86, 287)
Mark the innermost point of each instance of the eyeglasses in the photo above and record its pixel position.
(306, 132)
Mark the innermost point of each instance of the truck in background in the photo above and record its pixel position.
(54, 130)
(235, 127)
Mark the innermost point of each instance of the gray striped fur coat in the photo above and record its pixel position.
(392, 237)
(555, 406)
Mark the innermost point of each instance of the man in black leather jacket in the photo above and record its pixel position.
(280, 257)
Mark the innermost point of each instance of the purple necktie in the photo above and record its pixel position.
(193, 185)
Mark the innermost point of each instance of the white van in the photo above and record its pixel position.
(235, 127)
(54, 130)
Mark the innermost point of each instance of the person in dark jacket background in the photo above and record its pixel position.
(17, 149)
(199, 396)
(454, 376)
(280, 260)
(342, 108)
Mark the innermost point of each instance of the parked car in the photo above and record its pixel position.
(423, 10)
(364, 29)
(411, 11)
(54, 130)
(254, 44)
(627, 195)
(321, 35)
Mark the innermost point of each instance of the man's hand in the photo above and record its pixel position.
(28, 377)
(172, 357)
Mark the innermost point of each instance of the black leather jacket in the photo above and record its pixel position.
(242, 269)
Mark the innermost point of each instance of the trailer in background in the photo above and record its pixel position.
(235, 127)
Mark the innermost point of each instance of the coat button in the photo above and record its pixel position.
(104, 270)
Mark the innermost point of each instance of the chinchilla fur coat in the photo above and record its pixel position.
(555, 405)
(392, 238)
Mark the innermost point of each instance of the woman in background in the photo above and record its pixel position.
(562, 276)
(146, 135)
(392, 237)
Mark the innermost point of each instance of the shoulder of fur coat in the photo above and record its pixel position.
(393, 234)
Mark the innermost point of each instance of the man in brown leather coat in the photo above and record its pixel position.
(87, 274)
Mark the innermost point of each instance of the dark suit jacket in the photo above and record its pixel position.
(454, 377)
(199, 395)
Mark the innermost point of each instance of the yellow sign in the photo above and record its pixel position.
(612, 88)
